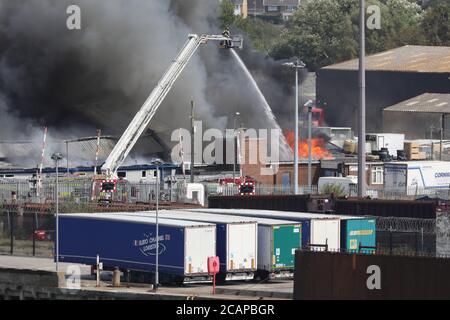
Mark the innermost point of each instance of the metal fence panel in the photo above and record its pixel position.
(327, 275)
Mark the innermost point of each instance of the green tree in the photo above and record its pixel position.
(400, 25)
(262, 33)
(326, 31)
(335, 189)
(226, 17)
(436, 26)
(321, 33)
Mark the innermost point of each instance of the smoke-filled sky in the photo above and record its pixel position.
(75, 81)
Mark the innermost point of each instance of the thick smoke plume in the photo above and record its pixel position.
(75, 81)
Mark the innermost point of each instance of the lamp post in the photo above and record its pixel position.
(234, 147)
(362, 103)
(297, 64)
(157, 163)
(309, 105)
(57, 157)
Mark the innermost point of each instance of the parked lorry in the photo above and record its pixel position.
(338, 232)
(240, 238)
(358, 234)
(271, 214)
(236, 242)
(416, 177)
(277, 242)
(129, 243)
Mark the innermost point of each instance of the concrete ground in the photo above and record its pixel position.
(277, 289)
(34, 263)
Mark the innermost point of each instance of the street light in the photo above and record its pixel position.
(157, 163)
(309, 105)
(57, 157)
(297, 64)
(237, 114)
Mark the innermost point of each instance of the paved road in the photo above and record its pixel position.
(273, 289)
(34, 263)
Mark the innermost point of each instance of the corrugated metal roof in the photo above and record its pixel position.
(404, 59)
(425, 103)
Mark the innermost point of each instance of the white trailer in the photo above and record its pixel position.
(236, 243)
(413, 177)
(276, 241)
(326, 227)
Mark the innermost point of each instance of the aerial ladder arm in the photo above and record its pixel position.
(142, 119)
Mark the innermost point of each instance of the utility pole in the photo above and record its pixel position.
(234, 146)
(298, 64)
(57, 157)
(362, 103)
(309, 148)
(192, 141)
(67, 156)
(296, 134)
(157, 230)
(157, 164)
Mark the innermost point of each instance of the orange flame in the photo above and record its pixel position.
(317, 147)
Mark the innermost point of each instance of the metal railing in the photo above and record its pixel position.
(79, 190)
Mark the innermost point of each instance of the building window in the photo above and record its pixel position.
(144, 174)
(377, 175)
(272, 8)
(121, 174)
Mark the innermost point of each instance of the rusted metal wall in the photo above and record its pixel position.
(387, 208)
(326, 275)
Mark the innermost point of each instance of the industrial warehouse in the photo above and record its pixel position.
(206, 150)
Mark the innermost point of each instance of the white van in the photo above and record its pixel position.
(347, 185)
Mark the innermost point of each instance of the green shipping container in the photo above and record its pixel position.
(286, 239)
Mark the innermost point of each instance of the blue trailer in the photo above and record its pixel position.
(236, 243)
(129, 243)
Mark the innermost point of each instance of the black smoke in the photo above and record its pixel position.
(98, 77)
